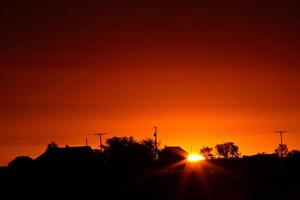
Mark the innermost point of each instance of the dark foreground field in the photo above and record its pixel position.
(217, 179)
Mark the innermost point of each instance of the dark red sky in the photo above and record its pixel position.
(204, 72)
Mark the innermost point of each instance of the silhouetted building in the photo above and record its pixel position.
(176, 150)
(172, 154)
(81, 155)
(21, 162)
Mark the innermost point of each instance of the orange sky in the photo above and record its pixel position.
(204, 73)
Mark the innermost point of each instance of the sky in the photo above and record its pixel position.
(203, 72)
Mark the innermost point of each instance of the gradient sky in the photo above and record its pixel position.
(204, 72)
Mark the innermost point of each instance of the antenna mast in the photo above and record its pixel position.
(155, 143)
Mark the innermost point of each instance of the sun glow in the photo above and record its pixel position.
(195, 158)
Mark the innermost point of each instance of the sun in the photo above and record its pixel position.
(195, 158)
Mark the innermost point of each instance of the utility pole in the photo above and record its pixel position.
(155, 143)
(86, 142)
(281, 144)
(100, 140)
(280, 132)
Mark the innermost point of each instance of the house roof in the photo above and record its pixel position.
(176, 150)
(60, 154)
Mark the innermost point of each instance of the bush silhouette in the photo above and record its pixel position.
(52, 145)
(294, 154)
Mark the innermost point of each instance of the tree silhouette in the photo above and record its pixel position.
(282, 150)
(149, 147)
(128, 153)
(206, 152)
(227, 150)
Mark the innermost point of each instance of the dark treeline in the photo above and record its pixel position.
(130, 169)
